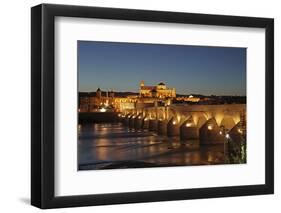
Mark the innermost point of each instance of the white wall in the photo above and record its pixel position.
(15, 105)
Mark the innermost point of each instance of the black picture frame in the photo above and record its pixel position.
(43, 117)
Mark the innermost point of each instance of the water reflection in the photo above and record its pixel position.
(108, 146)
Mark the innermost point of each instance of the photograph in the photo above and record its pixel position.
(143, 105)
(139, 105)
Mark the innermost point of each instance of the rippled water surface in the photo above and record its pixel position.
(109, 146)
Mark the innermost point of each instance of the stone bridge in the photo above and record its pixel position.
(209, 124)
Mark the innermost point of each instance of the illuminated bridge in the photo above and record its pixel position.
(209, 124)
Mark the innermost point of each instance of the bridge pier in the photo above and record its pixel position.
(173, 128)
(138, 122)
(236, 133)
(122, 119)
(162, 127)
(119, 118)
(236, 140)
(152, 125)
(126, 120)
(145, 123)
(210, 133)
(132, 121)
(189, 133)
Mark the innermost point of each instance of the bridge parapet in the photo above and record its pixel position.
(227, 114)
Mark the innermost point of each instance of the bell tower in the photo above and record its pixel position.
(142, 83)
(141, 86)
(98, 93)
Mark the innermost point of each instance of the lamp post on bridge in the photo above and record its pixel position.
(223, 132)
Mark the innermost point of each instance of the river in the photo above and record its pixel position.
(113, 145)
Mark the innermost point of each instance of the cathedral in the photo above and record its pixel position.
(158, 91)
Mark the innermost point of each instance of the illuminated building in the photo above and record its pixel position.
(158, 91)
(189, 98)
(101, 101)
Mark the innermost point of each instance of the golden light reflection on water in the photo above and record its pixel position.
(115, 143)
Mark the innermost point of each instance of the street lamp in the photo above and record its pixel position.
(226, 136)
(188, 124)
(102, 110)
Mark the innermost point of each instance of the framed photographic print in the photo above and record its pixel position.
(139, 106)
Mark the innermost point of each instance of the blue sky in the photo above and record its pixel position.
(190, 69)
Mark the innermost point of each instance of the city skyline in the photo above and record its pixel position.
(190, 69)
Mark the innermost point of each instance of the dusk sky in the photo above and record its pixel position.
(190, 69)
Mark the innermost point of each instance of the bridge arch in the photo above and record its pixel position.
(227, 122)
(162, 113)
(200, 119)
(172, 113)
(173, 127)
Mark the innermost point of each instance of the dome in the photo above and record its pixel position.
(161, 83)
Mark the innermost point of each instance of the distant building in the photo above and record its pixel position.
(102, 101)
(189, 98)
(158, 91)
